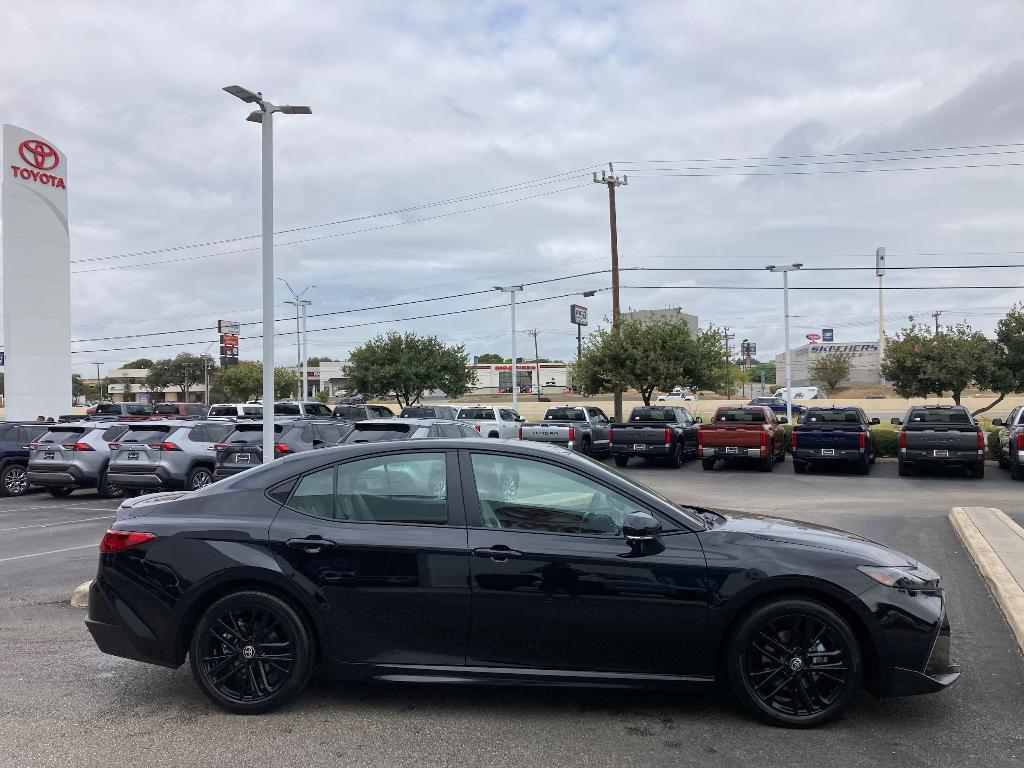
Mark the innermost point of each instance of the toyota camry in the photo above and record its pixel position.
(455, 561)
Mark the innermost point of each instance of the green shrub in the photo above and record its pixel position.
(887, 441)
(993, 442)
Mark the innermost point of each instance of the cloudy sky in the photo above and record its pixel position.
(451, 148)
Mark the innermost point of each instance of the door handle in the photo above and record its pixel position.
(499, 553)
(311, 545)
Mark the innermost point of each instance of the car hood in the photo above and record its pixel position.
(812, 535)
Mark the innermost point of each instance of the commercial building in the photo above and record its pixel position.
(672, 315)
(128, 385)
(865, 362)
(492, 379)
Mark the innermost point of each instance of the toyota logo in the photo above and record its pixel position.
(39, 154)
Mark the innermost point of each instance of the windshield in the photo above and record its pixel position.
(929, 416)
(565, 414)
(753, 416)
(476, 414)
(145, 434)
(373, 433)
(349, 412)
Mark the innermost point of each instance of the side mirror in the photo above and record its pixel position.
(896, 422)
(640, 526)
(783, 420)
(997, 422)
(875, 421)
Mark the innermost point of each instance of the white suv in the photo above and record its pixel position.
(492, 420)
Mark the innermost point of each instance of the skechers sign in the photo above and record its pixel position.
(43, 158)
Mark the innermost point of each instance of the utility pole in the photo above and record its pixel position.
(99, 383)
(612, 181)
(512, 290)
(936, 314)
(728, 363)
(300, 305)
(536, 359)
(880, 272)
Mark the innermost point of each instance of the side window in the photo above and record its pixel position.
(525, 495)
(113, 433)
(314, 494)
(1012, 419)
(34, 433)
(199, 435)
(306, 435)
(400, 488)
(450, 430)
(599, 414)
(329, 433)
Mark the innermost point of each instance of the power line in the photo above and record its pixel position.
(823, 171)
(821, 287)
(542, 181)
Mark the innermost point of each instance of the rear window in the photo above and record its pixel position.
(288, 409)
(930, 416)
(145, 434)
(653, 414)
(349, 412)
(476, 414)
(62, 435)
(372, 433)
(246, 433)
(417, 412)
(753, 416)
(565, 414)
(108, 409)
(252, 410)
(137, 409)
(381, 411)
(769, 401)
(223, 410)
(831, 417)
(167, 408)
(318, 409)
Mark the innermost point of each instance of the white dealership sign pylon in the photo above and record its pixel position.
(37, 277)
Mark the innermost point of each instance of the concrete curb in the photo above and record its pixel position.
(80, 597)
(1007, 592)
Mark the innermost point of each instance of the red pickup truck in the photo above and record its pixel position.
(743, 432)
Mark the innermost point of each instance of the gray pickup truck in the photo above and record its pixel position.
(940, 435)
(578, 428)
(1011, 442)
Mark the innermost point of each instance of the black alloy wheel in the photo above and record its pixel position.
(14, 481)
(251, 652)
(106, 490)
(795, 663)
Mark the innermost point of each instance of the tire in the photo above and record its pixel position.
(864, 467)
(621, 461)
(201, 475)
(675, 459)
(977, 471)
(799, 467)
(14, 480)
(106, 490)
(1016, 472)
(707, 464)
(906, 470)
(586, 448)
(766, 465)
(493, 435)
(60, 493)
(1004, 463)
(800, 697)
(781, 455)
(230, 635)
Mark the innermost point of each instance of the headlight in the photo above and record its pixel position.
(899, 578)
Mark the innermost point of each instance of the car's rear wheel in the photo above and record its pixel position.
(1016, 472)
(586, 448)
(106, 490)
(863, 467)
(675, 459)
(977, 471)
(14, 481)
(60, 493)
(251, 652)
(621, 461)
(707, 464)
(795, 663)
(799, 467)
(766, 464)
(199, 477)
(905, 470)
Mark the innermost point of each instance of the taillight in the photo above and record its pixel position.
(1020, 441)
(476, 427)
(668, 436)
(610, 434)
(863, 441)
(32, 446)
(77, 446)
(700, 438)
(118, 541)
(764, 442)
(793, 439)
(282, 448)
(903, 441)
(572, 434)
(981, 441)
(164, 446)
(220, 446)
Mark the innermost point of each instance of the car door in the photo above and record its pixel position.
(687, 432)
(1006, 431)
(380, 545)
(556, 585)
(599, 430)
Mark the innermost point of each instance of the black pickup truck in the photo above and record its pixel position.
(829, 435)
(941, 435)
(657, 433)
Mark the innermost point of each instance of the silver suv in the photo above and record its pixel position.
(75, 455)
(166, 455)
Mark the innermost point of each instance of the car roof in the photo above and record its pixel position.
(397, 421)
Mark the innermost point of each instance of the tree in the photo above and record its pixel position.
(919, 363)
(1003, 371)
(406, 365)
(244, 381)
(491, 358)
(830, 368)
(284, 382)
(323, 396)
(183, 372)
(646, 356)
(142, 362)
(313, 362)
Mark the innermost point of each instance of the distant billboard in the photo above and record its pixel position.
(813, 337)
(578, 314)
(826, 334)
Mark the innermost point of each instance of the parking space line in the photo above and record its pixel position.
(53, 507)
(51, 552)
(62, 522)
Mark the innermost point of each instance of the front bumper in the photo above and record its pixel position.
(940, 671)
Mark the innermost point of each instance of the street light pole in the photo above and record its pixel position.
(785, 270)
(305, 351)
(512, 290)
(265, 116)
(99, 384)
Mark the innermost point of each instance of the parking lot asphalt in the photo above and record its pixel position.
(64, 703)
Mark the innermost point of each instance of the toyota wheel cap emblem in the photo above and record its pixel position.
(796, 664)
(39, 154)
(249, 652)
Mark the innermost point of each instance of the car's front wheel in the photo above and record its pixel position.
(199, 477)
(251, 652)
(795, 663)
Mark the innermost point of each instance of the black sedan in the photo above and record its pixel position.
(466, 561)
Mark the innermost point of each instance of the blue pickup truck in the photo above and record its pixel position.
(778, 405)
(829, 435)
